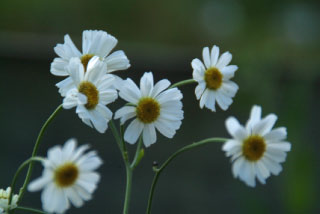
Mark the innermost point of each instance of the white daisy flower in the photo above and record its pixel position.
(4, 199)
(68, 176)
(91, 91)
(154, 108)
(94, 43)
(256, 150)
(214, 79)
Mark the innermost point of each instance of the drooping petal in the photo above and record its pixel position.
(133, 131)
(149, 135)
(117, 61)
(96, 42)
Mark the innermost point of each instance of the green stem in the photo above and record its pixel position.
(183, 82)
(119, 140)
(35, 150)
(14, 180)
(173, 156)
(138, 155)
(129, 172)
(125, 156)
(30, 210)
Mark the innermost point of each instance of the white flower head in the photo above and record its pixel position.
(68, 176)
(256, 150)
(214, 79)
(94, 43)
(91, 91)
(4, 199)
(154, 108)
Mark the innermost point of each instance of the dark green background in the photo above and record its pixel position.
(274, 43)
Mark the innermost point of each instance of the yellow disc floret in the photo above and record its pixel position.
(253, 148)
(148, 110)
(66, 175)
(85, 60)
(91, 92)
(213, 78)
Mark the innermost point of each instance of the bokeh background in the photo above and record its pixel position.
(275, 43)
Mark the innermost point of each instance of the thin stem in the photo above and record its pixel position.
(129, 172)
(14, 180)
(119, 140)
(35, 150)
(173, 156)
(30, 210)
(125, 156)
(183, 82)
(138, 155)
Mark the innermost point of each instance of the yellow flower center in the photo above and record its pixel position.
(85, 60)
(91, 92)
(213, 78)
(148, 110)
(66, 175)
(253, 148)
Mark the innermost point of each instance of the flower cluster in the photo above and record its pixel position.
(69, 176)
(4, 201)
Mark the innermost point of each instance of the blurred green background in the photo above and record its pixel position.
(274, 43)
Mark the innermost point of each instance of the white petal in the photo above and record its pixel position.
(211, 100)
(149, 135)
(58, 67)
(206, 57)
(237, 166)
(55, 155)
(68, 49)
(99, 43)
(95, 70)
(164, 128)
(204, 98)
(71, 99)
(117, 61)
(124, 111)
(224, 60)
(275, 154)
(229, 88)
(235, 129)
(104, 111)
(231, 144)
(41, 182)
(133, 131)
(228, 71)
(265, 125)
(200, 89)
(129, 91)
(198, 66)
(282, 146)
(248, 174)
(75, 69)
(277, 134)
(159, 87)
(255, 116)
(274, 167)
(146, 84)
(214, 55)
(65, 86)
(169, 95)
(75, 199)
(68, 149)
(98, 120)
(223, 101)
(89, 162)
